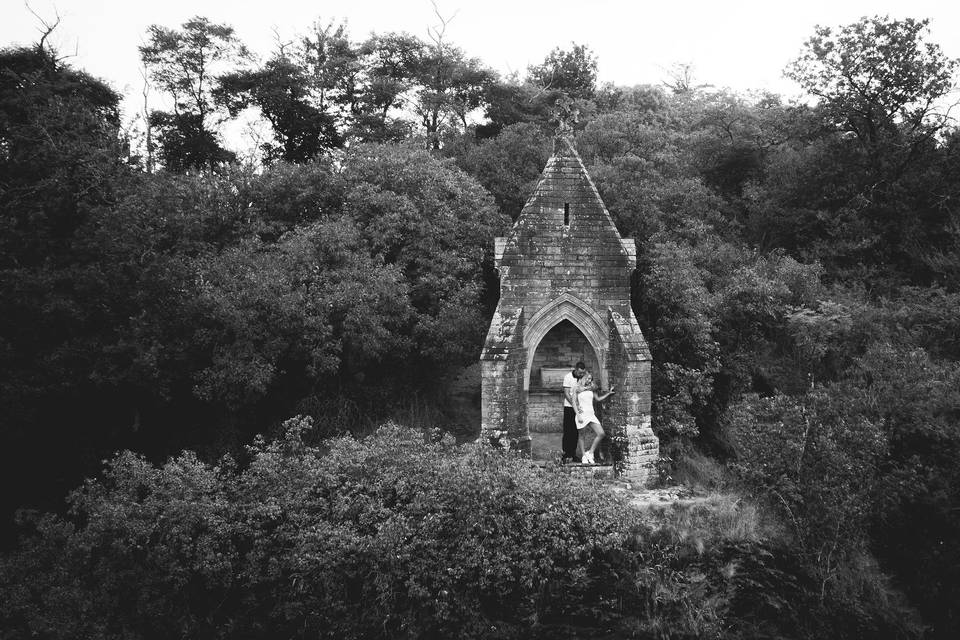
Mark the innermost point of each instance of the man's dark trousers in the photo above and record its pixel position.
(571, 436)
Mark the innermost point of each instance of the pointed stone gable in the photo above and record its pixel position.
(565, 296)
(565, 240)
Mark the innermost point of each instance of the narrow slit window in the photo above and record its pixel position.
(566, 214)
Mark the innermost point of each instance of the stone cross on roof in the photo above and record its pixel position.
(565, 114)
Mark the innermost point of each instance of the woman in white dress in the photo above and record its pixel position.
(585, 396)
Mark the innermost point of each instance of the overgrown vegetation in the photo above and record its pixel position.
(799, 282)
(394, 537)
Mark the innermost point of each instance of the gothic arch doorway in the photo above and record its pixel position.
(576, 312)
(561, 347)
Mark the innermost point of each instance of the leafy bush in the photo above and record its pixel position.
(386, 537)
(867, 464)
(816, 460)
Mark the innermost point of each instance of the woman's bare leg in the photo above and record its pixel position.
(598, 430)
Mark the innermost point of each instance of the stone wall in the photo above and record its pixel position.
(545, 410)
(563, 346)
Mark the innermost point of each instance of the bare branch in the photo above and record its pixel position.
(681, 78)
(437, 33)
(146, 116)
(280, 44)
(47, 27)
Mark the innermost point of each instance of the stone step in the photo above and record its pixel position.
(595, 471)
(548, 446)
(580, 470)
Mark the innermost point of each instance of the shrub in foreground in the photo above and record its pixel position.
(381, 538)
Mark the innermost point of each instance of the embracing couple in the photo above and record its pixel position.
(580, 391)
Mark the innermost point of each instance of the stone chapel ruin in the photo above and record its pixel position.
(565, 296)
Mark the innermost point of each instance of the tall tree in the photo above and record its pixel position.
(450, 85)
(881, 86)
(358, 84)
(281, 90)
(58, 147)
(333, 64)
(184, 63)
(509, 101)
(389, 63)
(572, 71)
(61, 162)
(877, 78)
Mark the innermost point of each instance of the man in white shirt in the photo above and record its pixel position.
(571, 437)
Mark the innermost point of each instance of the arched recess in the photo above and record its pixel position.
(566, 307)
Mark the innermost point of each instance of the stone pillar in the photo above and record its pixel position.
(502, 365)
(641, 446)
(636, 448)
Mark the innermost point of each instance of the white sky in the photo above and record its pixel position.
(738, 44)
